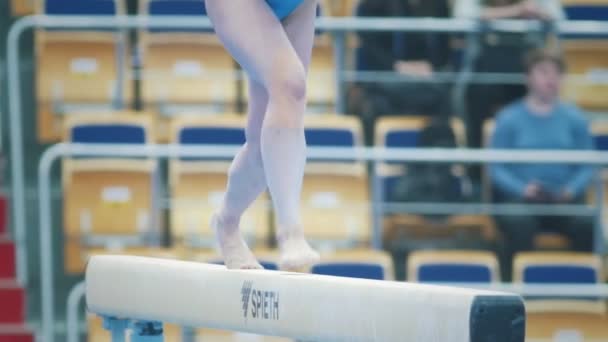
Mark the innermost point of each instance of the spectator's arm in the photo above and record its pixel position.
(584, 173)
(502, 177)
(501, 12)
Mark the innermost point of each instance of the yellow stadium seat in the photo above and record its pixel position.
(197, 186)
(335, 195)
(108, 202)
(369, 264)
(79, 71)
(566, 327)
(321, 86)
(586, 59)
(22, 7)
(453, 267)
(185, 71)
(339, 8)
(560, 268)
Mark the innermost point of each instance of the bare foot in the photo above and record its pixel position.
(235, 251)
(296, 253)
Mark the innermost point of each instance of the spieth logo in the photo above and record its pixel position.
(260, 304)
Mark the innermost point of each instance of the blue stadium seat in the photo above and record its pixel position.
(331, 131)
(586, 12)
(599, 129)
(80, 7)
(577, 268)
(109, 128)
(454, 272)
(330, 137)
(351, 270)
(452, 267)
(212, 135)
(177, 8)
(363, 264)
(112, 133)
(555, 274)
(560, 268)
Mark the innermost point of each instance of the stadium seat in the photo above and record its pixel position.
(22, 7)
(570, 327)
(108, 202)
(341, 8)
(197, 186)
(335, 194)
(184, 70)
(403, 132)
(366, 264)
(560, 268)
(453, 267)
(585, 56)
(79, 71)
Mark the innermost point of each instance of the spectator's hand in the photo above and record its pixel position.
(530, 10)
(532, 191)
(414, 68)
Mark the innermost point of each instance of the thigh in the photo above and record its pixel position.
(300, 29)
(254, 36)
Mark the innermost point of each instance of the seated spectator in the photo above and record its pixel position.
(412, 54)
(541, 121)
(501, 53)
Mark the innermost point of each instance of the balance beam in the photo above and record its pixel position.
(294, 305)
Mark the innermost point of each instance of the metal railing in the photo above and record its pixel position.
(375, 155)
(337, 26)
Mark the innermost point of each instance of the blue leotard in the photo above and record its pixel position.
(283, 8)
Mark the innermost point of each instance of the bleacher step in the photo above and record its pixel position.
(12, 297)
(7, 259)
(16, 333)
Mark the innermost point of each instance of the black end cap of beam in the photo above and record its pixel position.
(498, 319)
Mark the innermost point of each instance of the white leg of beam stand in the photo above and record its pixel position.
(146, 331)
(116, 327)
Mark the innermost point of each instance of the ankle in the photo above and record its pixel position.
(289, 232)
(228, 223)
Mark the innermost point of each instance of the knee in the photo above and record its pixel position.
(289, 83)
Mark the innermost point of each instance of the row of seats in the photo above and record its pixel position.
(547, 318)
(182, 70)
(178, 70)
(109, 201)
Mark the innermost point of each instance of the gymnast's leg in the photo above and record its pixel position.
(246, 180)
(299, 27)
(258, 41)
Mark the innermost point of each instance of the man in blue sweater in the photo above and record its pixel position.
(541, 121)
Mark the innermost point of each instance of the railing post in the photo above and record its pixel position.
(340, 61)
